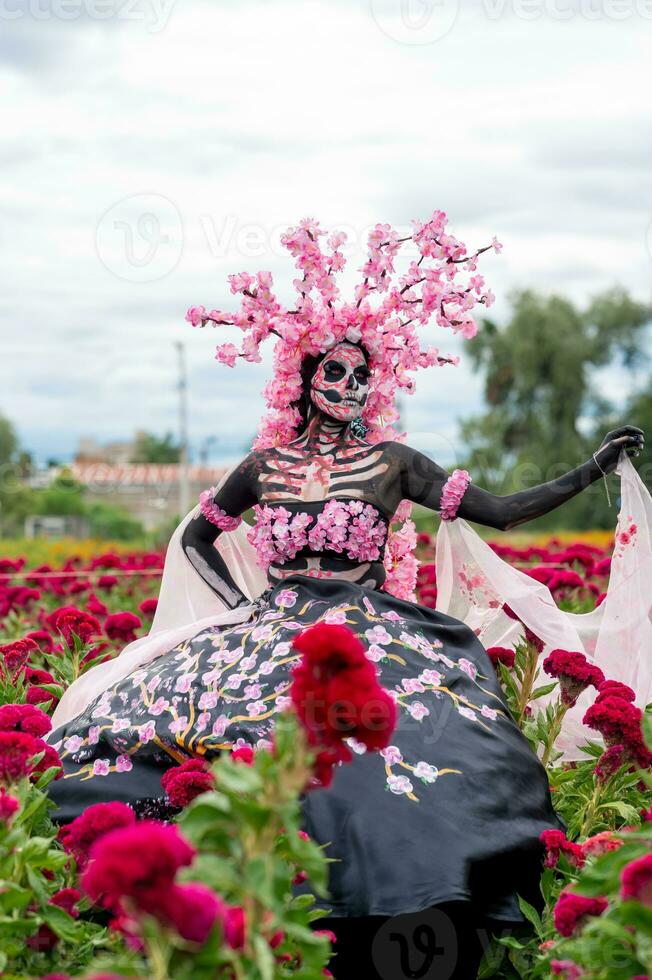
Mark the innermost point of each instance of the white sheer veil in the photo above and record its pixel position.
(617, 636)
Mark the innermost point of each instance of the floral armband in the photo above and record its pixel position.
(215, 514)
(452, 493)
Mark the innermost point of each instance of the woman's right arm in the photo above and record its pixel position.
(236, 495)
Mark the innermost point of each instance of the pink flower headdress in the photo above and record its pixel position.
(384, 316)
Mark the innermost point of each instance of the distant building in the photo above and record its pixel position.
(114, 453)
(149, 491)
(55, 526)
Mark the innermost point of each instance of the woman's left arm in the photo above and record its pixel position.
(423, 482)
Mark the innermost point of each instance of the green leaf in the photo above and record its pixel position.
(510, 941)
(264, 958)
(646, 727)
(530, 914)
(12, 896)
(234, 777)
(61, 923)
(633, 913)
(626, 811)
(538, 692)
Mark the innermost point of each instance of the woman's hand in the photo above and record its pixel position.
(627, 437)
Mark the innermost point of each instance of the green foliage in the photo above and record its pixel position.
(33, 867)
(155, 449)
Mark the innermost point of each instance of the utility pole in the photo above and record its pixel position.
(184, 486)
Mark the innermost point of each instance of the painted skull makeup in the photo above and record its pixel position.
(340, 385)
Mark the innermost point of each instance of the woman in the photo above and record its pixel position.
(446, 820)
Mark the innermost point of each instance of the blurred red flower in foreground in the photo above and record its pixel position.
(336, 695)
(97, 820)
(636, 880)
(132, 871)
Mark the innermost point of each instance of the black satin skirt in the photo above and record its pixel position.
(451, 811)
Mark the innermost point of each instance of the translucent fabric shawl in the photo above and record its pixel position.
(473, 584)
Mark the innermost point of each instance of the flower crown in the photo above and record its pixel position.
(387, 329)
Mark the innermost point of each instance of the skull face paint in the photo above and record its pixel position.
(340, 385)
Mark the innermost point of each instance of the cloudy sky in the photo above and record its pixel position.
(150, 147)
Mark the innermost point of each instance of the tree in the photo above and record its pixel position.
(544, 412)
(155, 449)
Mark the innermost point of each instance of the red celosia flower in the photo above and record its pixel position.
(501, 655)
(646, 815)
(617, 720)
(335, 689)
(616, 689)
(183, 783)
(556, 843)
(192, 911)
(234, 926)
(69, 620)
(24, 718)
(42, 638)
(636, 880)
(9, 565)
(611, 760)
(108, 582)
(601, 843)
(148, 607)
(96, 607)
(9, 805)
(245, 754)
(35, 693)
(16, 654)
(324, 763)
(16, 751)
(574, 672)
(122, 626)
(138, 863)
(571, 909)
(50, 760)
(97, 820)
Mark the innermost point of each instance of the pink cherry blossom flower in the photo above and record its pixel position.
(426, 772)
(418, 710)
(468, 667)
(467, 712)
(391, 755)
(399, 785)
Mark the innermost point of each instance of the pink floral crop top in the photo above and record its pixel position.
(351, 527)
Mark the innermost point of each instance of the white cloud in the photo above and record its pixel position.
(246, 118)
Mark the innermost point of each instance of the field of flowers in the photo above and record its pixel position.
(210, 893)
